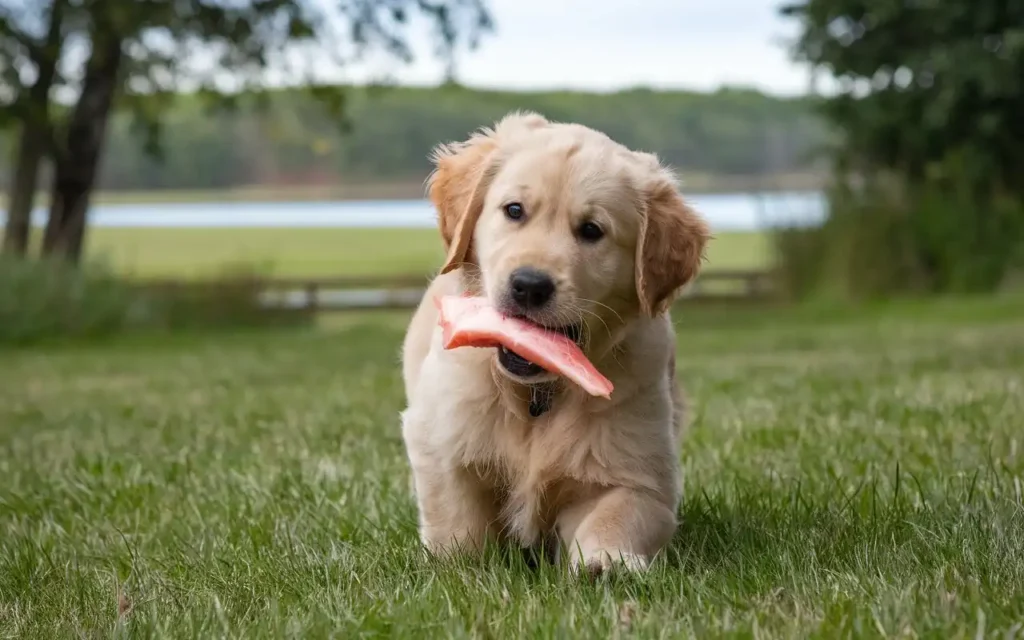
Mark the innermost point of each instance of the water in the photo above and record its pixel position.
(724, 212)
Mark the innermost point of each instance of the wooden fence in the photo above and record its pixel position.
(404, 292)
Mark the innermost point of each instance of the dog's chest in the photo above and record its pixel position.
(536, 465)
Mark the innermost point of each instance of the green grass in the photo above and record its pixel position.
(849, 474)
(191, 252)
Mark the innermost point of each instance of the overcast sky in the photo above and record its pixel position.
(612, 44)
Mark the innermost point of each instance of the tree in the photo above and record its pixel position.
(76, 157)
(929, 104)
(298, 142)
(29, 106)
(143, 52)
(919, 81)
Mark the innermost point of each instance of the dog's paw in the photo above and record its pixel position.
(603, 561)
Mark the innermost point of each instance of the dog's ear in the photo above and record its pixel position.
(670, 248)
(462, 175)
(457, 188)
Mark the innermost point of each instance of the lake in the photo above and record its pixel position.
(724, 212)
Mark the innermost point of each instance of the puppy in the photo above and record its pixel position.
(564, 227)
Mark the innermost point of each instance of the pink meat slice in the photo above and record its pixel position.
(473, 322)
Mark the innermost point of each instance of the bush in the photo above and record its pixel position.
(229, 301)
(44, 300)
(885, 239)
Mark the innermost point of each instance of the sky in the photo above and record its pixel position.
(606, 45)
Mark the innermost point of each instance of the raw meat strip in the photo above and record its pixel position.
(473, 322)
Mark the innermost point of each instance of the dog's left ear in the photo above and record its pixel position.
(671, 244)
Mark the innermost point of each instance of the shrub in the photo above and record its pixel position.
(231, 300)
(44, 300)
(884, 238)
(49, 298)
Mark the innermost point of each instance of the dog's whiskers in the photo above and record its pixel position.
(600, 319)
(603, 305)
(572, 315)
(588, 335)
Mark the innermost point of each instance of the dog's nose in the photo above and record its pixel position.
(530, 287)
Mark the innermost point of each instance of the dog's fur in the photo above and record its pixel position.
(601, 475)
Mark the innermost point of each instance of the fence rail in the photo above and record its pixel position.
(405, 291)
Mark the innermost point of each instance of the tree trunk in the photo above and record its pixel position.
(22, 192)
(77, 163)
(35, 138)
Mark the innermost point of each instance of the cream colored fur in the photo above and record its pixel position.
(601, 475)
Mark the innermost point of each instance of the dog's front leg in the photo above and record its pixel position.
(457, 511)
(618, 526)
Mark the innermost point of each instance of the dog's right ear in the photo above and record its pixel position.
(457, 188)
(462, 175)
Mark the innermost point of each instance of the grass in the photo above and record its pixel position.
(191, 252)
(849, 473)
(196, 253)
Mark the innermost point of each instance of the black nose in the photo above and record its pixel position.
(531, 288)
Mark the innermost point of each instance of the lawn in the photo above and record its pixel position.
(848, 474)
(177, 252)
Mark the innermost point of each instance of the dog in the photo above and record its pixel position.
(557, 224)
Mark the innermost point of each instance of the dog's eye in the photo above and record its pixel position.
(590, 232)
(514, 211)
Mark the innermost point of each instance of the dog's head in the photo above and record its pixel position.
(560, 225)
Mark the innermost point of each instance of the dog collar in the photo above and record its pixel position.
(540, 399)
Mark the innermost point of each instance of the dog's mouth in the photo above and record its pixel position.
(519, 366)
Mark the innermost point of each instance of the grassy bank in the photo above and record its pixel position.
(322, 252)
(847, 474)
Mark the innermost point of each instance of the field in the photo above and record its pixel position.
(183, 252)
(849, 473)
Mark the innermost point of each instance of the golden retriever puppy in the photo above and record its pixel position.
(560, 225)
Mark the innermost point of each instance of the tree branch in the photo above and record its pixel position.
(10, 32)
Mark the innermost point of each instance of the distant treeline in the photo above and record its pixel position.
(292, 141)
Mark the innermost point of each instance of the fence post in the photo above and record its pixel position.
(311, 298)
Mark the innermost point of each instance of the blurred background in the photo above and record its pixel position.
(214, 230)
(276, 150)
